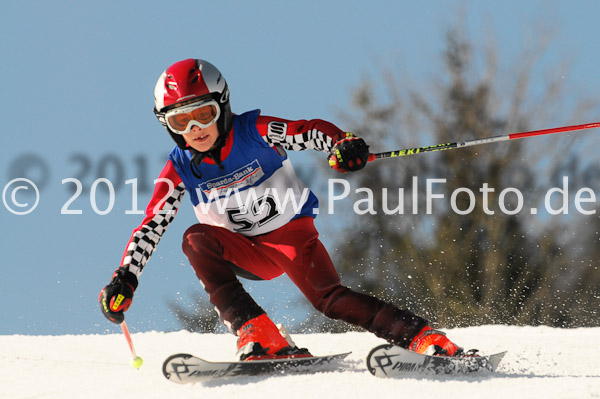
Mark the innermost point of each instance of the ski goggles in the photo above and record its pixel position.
(202, 114)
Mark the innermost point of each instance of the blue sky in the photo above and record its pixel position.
(77, 91)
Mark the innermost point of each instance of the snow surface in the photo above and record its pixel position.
(542, 362)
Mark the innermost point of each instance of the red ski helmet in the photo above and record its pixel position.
(188, 81)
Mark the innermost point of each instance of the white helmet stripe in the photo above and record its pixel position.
(159, 99)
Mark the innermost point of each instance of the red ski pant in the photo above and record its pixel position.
(218, 254)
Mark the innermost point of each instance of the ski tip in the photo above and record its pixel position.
(168, 374)
(495, 360)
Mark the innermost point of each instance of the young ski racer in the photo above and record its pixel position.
(237, 175)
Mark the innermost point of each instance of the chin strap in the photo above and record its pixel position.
(214, 154)
(196, 160)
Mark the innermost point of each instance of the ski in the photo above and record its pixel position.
(392, 361)
(183, 368)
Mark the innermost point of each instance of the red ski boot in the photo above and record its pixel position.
(259, 338)
(433, 342)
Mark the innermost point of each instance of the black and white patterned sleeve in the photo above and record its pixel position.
(315, 134)
(160, 212)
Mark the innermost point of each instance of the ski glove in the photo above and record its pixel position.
(349, 154)
(116, 297)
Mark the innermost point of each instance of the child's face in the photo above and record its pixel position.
(202, 139)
